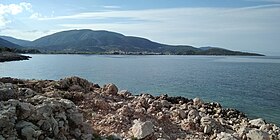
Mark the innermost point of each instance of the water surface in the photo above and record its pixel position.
(250, 84)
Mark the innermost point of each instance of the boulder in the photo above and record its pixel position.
(165, 103)
(141, 130)
(193, 115)
(75, 84)
(258, 135)
(7, 91)
(124, 93)
(197, 101)
(110, 89)
(257, 122)
(225, 136)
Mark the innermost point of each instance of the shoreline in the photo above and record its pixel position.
(9, 56)
(77, 108)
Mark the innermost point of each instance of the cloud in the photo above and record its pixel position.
(233, 28)
(111, 7)
(36, 16)
(12, 9)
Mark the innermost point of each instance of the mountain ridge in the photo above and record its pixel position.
(107, 42)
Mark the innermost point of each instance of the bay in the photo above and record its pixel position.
(249, 84)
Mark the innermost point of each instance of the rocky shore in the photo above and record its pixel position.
(74, 108)
(9, 56)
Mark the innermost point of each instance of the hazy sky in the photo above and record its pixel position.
(247, 25)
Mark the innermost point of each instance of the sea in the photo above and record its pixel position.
(250, 84)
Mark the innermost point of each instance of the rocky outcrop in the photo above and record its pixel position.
(74, 108)
(9, 56)
(41, 117)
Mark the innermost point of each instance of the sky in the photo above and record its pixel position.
(244, 25)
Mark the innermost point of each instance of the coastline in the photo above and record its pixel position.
(77, 108)
(9, 56)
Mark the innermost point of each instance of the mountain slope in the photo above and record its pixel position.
(5, 43)
(99, 41)
(89, 41)
(16, 41)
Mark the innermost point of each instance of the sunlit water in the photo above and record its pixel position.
(250, 84)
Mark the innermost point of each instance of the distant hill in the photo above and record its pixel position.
(5, 43)
(101, 41)
(15, 48)
(106, 42)
(20, 42)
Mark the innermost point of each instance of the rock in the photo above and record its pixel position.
(141, 130)
(75, 118)
(197, 101)
(110, 89)
(257, 122)
(258, 135)
(27, 129)
(207, 129)
(205, 121)
(25, 110)
(26, 92)
(179, 113)
(124, 93)
(75, 84)
(225, 136)
(7, 91)
(165, 103)
(193, 114)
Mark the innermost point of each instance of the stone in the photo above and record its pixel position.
(124, 93)
(110, 89)
(180, 113)
(257, 122)
(197, 101)
(7, 91)
(27, 129)
(141, 130)
(28, 132)
(75, 84)
(67, 103)
(207, 129)
(258, 135)
(26, 92)
(193, 114)
(165, 103)
(75, 118)
(205, 121)
(25, 110)
(225, 136)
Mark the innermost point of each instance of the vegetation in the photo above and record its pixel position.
(104, 42)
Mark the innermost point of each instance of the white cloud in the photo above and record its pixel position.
(36, 16)
(12, 9)
(247, 28)
(111, 7)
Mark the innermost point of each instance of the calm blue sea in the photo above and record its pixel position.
(250, 84)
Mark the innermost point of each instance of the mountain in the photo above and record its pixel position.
(101, 41)
(106, 42)
(5, 43)
(208, 48)
(15, 48)
(221, 51)
(16, 41)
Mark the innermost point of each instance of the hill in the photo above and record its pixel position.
(106, 42)
(101, 41)
(5, 43)
(19, 42)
